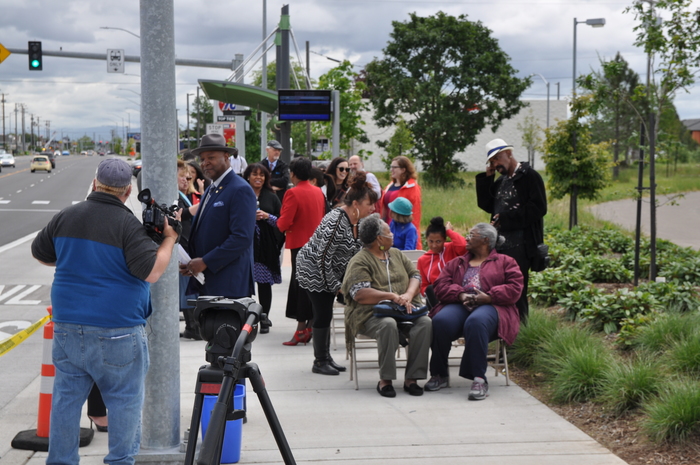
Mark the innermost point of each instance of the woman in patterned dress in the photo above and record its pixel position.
(322, 261)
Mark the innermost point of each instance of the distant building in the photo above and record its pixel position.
(474, 156)
(693, 125)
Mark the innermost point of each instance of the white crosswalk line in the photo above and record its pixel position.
(40, 202)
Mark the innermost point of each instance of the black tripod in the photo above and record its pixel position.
(212, 380)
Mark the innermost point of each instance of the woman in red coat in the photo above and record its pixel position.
(477, 294)
(403, 184)
(439, 254)
(303, 208)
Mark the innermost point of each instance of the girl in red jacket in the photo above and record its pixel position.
(439, 253)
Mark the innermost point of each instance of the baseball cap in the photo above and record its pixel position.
(114, 172)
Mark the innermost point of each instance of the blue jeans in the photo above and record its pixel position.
(116, 359)
(478, 329)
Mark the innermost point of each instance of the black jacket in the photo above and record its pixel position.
(279, 177)
(533, 205)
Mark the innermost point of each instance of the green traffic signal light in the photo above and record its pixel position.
(35, 56)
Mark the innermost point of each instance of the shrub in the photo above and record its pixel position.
(675, 414)
(630, 327)
(628, 384)
(684, 355)
(673, 297)
(540, 328)
(580, 375)
(582, 299)
(605, 270)
(546, 288)
(627, 261)
(682, 271)
(616, 240)
(660, 334)
(609, 311)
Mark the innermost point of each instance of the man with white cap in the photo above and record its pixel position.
(104, 263)
(517, 202)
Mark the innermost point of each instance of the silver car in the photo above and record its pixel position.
(7, 159)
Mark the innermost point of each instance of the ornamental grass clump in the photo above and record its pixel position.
(629, 383)
(539, 328)
(661, 333)
(683, 356)
(560, 345)
(580, 375)
(674, 415)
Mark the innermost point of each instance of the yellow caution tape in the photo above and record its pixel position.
(13, 341)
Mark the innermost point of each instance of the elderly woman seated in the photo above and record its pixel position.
(380, 272)
(477, 294)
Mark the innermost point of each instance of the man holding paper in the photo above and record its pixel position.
(221, 239)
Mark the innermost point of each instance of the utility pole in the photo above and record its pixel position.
(161, 408)
(188, 121)
(15, 152)
(31, 123)
(23, 131)
(308, 123)
(199, 114)
(263, 115)
(4, 140)
(283, 74)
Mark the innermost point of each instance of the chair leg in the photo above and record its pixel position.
(353, 365)
(505, 362)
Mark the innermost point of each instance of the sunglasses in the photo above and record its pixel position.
(341, 169)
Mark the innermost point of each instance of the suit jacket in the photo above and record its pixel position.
(222, 235)
(279, 177)
(303, 209)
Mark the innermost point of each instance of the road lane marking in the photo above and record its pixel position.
(17, 300)
(40, 202)
(4, 202)
(19, 241)
(9, 292)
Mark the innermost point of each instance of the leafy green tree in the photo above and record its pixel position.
(575, 166)
(400, 143)
(615, 117)
(452, 78)
(343, 79)
(532, 136)
(117, 144)
(202, 106)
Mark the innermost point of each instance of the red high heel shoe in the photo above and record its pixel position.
(302, 336)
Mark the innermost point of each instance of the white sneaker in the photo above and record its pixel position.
(479, 389)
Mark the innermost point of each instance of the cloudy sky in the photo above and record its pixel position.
(79, 96)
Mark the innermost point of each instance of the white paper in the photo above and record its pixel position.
(184, 259)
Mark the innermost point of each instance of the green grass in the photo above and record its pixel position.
(560, 345)
(675, 415)
(629, 383)
(684, 355)
(660, 335)
(580, 374)
(539, 328)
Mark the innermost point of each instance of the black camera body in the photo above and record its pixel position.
(154, 217)
(220, 322)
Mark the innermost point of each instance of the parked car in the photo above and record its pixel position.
(7, 159)
(41, 163)
(136, 168)
(66, 152)
(83, 152)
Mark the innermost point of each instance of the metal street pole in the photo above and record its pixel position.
(263, 115)
(188, 120)
(594, 22)
(199, 114)
(24, 137)
(4, 140)
(161, 409)
(283, 73)
(308, 123)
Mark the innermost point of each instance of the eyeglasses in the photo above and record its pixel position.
(341, 169)
(472, 236)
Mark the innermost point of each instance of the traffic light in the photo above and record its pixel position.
(35, 59)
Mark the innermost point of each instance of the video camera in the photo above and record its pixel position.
(220, 322)
(154, 217)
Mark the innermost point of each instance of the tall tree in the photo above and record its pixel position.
(343, 79)
(532, 136)
(452, 78)
(202, 108)
(575, 166)
(614, 119)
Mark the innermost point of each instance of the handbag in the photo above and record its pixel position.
(387, 308)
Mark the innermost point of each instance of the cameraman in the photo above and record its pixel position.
(104, 261)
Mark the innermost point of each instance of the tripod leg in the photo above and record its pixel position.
(194, 429)
(212, 443)
(253, 373)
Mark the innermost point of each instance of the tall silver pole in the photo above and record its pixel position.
(263, 115)
(335, 136)
(283, 75)
(161, 410)
(573, 84)
(547, 104)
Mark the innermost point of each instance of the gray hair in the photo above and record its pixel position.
(490, 233)
(370, 229)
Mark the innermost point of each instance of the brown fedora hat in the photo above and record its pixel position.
(213, 143)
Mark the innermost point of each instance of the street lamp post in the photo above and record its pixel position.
(188, 120)
(121, 29)
(595, 22)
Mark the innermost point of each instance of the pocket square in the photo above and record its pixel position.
(219, 204)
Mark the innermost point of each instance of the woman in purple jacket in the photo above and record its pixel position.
(477, 294)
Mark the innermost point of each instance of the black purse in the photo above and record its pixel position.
(389, 309)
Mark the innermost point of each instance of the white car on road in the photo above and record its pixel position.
(7, 159)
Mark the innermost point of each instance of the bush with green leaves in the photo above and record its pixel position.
(682, 271)
(674, 415)
(627, 260)
(539, 328)
(552, 284)
(599, 269)
(629, 383)
(581, 299)
(630, 328)
(615, 240)
(610, 309)
(673, 297)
